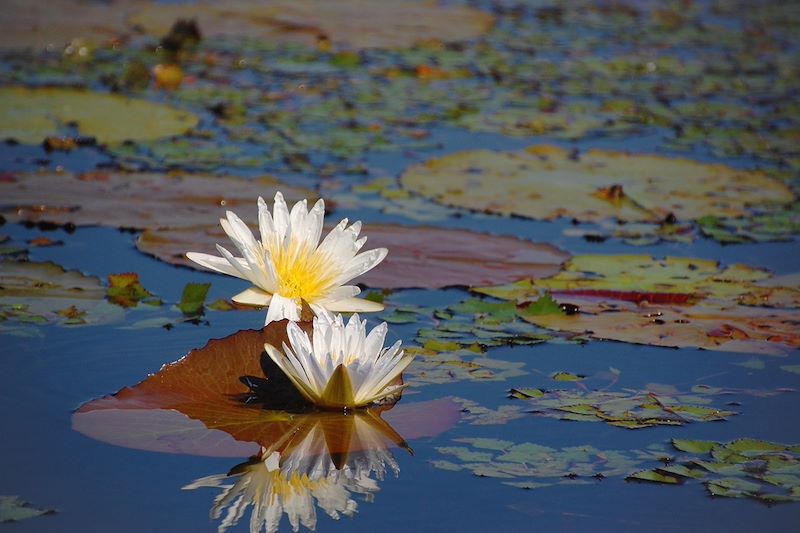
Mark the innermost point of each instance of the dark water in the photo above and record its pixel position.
(99, 487)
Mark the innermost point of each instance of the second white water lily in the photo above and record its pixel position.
(342, 367)
(290, 265)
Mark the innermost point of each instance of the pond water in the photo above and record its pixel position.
(509, 417)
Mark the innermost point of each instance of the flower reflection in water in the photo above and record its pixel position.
(324, 460)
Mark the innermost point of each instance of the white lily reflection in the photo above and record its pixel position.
(326, 460)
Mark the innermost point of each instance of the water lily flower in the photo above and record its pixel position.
(342, 367)
(290, 265)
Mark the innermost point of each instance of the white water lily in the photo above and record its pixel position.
(290, 265)
(342, 367)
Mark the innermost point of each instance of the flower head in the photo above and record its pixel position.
(343, 366)
(290, 264)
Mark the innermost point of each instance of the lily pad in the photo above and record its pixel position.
(419, 256)
(534, 463)
(30, 115)
(12, 509)
(135, 200)
(227, 400)
(743, 468)
(674, 302)
(55, 23)
(629, 409)
(547, 182)
(356, 24)
(45, 293)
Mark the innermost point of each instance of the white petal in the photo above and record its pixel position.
(215, 263)
(239, 264)
(280, 217)
(253, 296)
(361, 263)
(354, 305)
(280, 308)
(373, 344)
(265, 225)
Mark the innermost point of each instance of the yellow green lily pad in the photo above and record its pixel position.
(31, 115)
(547, 182)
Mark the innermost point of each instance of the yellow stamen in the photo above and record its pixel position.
(303, 272)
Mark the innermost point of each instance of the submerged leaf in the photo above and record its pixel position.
(12, 509)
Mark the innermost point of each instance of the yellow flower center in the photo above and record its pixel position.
(302, 272)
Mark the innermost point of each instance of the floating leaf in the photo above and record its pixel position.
(693, 446)
(794, 369)
(125, 290)
(354, 24)
(534, 463)
(547, 182)
(30, 115)
(670, 302)
(420, 256)
(225, 400)
(653, 476)
(630, 409)
(120, 200)
(193, 297)
(12, 509)
(544, 305)
(44, 293)
(767, 471)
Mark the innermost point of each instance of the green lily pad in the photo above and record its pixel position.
(12, 509)
(547, 182)
(31, 115)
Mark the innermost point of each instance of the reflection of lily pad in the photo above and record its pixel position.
(345, 23)
(134, 200)
(198, 405)
(670, 302)
(30, 115)
(546, 182)
(419, 256)
(45, 293)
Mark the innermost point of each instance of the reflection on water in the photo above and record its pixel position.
(325, 460)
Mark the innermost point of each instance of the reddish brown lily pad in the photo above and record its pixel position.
(344, 23)
(135, 200)
(424, 257)
(198, 406)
